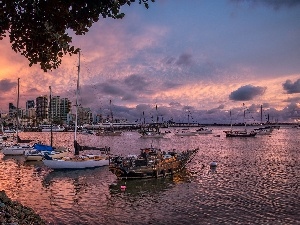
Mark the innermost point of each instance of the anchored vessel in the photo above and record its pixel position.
(151, 163)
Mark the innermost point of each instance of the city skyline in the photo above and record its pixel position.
(200, 58)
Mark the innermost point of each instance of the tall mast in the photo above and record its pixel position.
(77, 93)
(18, 108)
(50, 114)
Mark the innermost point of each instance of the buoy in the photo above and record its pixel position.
(123, 187)
(213, 165)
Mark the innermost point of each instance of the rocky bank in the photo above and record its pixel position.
(14, 213)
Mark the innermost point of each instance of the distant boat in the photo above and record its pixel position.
(48, 127)
(240, 133)
(151, 132)
(78, 161)
(204, 130)
(264, 130)
(185, 132)
(108, 133)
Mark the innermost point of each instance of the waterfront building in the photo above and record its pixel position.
(11, 110)
(59, 109)
(85, 116)
(42, 108)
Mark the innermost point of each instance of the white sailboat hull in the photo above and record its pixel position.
(75, 164)
(16, 150)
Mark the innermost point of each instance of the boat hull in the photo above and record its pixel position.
(60, 164)
(16, 150)
(240, 134)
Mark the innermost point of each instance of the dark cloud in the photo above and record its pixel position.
(247, 92)
(275, 4)
(136, 82)
(184, 60)
(293, 100)
(171, 84)
(111, 89)
(129, 97)
(175, 104)
(6, 85)
(291, 87)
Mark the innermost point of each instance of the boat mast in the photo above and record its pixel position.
(50, 113)
(17, 116)
(76, 146)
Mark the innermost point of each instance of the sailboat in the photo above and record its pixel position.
(78, 161)
(239, 133)
(186, 131)
(16, 149)
(39, 149)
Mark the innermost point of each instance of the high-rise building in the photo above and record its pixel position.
(29, 104)
(59, 109)
(85, 116)
(11, 110)
(42, 107)
(29, 108)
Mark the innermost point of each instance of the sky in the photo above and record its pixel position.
(186, 61)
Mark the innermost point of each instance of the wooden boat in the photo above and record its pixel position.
(151, 163)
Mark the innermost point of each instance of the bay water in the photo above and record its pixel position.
(257, 181)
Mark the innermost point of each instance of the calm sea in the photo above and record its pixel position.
(256, 182)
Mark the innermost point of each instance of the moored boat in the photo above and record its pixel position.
(185, 132)
(204, 130)
(39, 150)
(264, 130)
(151, 132)
(77, 161)
(16, 149)
(240, 133)
(151, 163)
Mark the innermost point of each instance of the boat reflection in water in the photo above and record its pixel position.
(148, 187)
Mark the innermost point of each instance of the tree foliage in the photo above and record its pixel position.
(38, 28)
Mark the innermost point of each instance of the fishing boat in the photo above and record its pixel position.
(77, 161)
(151, 163)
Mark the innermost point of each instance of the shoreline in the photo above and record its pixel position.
(13, 212)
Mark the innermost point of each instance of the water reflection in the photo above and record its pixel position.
(148, 187)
